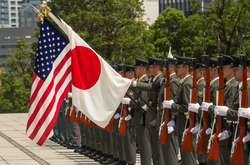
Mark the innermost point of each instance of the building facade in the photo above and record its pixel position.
(17, 22)
(9, 11)
(17, 13)
(184, 5)
(151, 10)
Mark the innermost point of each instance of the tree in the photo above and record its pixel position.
(16, 80)
(229, 21)
(183, 34)
(114, 28)
(222, 29)
(166, 31)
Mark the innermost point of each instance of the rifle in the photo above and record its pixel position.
(213, 146)
(187, 139)
(67, 113)
(166, 112)
(202, 138)
(73, 113)
(110, 127)
(122, 122)
(138, 96)
(237, 152)
(83, 119)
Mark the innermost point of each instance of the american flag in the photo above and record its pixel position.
(50, 83)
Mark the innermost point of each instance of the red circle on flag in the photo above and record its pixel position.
(86, 67)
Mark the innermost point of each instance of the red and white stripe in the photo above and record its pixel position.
(47, 97)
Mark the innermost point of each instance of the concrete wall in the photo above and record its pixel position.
(151, 10)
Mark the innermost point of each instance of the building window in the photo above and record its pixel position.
(13, 14)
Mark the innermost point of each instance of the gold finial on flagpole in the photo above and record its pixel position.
(40, 17)
(45, 8)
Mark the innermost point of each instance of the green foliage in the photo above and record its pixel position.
(166, 31)
(114, 28)
(224, 28)
(16, 81)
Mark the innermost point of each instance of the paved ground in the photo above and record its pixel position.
(17, 149)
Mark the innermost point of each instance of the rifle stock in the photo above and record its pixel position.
(187, 139)
(214, 148)
(72, 116)
(122, 122)
(202, 138)
(83, 119)
(111, 125)
(67, 114)
(166, 112)
(237, 152)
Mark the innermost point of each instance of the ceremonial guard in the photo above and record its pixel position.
(170, 148)
(140, 110)
(129, 138)
(240, 147)
(179, 106)
(152, 116)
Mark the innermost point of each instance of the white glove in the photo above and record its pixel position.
(127, 118)
(208, 131)
(246, 138)
(170, 129)
(145, 107)
(205, 106)
(69, 95)
(167, 103)
(117, 116)
(221, 110)
(193, 107)
(171, 123)
(120, 120)
(224, 135)
(134, 83)
(126, 100)
(244, 112)
(195, 130)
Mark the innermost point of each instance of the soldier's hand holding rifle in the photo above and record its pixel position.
(168, 103)
(245, 113)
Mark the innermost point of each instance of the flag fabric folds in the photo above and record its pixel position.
(50, 84)
(65, 63)
(97, 89)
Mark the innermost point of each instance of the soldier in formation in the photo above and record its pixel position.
(211, 94)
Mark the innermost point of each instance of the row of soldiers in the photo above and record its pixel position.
(143, 111)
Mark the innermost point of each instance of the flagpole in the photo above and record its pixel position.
(46, 12)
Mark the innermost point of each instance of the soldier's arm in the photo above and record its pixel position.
(161, 94)
(233, 99)
(232, 113)
(185, 100)
(174, 85)
(144, 86)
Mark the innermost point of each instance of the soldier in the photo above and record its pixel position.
(140, 110)
(231, 101)
(119, 151)
(129, 138)
(245, 113)
(211, 63)
(199, 68)
(179, 106)
(152, 116)
(170, 150)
